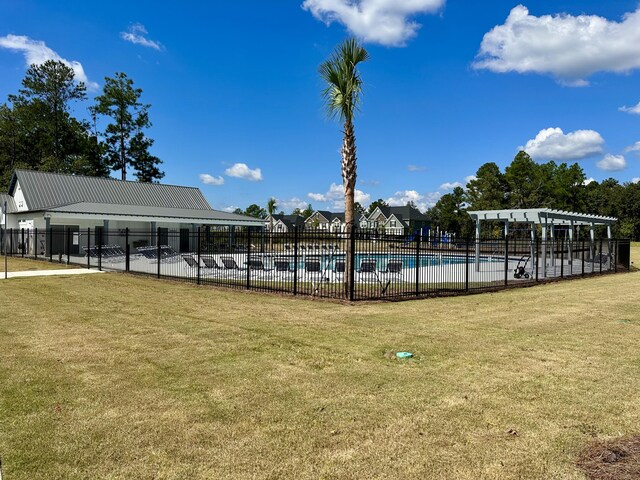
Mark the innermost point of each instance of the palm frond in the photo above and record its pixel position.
(344, 84)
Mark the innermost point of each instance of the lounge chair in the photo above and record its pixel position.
(394, 269)
(313, 270)
(368, 271)
(230, 265)
(282, 267)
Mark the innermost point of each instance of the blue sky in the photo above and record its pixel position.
(450, 85)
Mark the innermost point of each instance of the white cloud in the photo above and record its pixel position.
(633, 148)
(570, 48)
(387, 22)
(335, 197)
(37, 52)
(470, 178)
(635, 180)
(288, 205)
(416, 168)
(450, 186)
(635, 110)
(241, 170)
(553, 144)
(211, 180)
(230, 209)
(588, 181)
(136, 34)
(612, 163)
(423, 202)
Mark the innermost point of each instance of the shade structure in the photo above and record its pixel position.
(547, 218)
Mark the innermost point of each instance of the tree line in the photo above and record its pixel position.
(38, 130)
(528, 184)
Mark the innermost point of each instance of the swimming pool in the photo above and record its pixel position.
(327, 261)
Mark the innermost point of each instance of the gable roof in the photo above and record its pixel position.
(407, 214)
(44, 190)
(290, 220)
(11, 204)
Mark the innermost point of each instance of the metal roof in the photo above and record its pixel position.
(542, 216)
(11, 204)
(203, 216)
(44, 190)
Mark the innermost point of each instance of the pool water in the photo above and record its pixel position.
(328, 261)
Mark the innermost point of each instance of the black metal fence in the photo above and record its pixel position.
(314, 263)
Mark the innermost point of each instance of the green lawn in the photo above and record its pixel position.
(114, 376)
(17, 264)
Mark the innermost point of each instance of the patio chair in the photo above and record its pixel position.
(210, 263)
(282, 267)
(368, 271)
(256, 266)
(394, 269)
(313, 270)
(230, 266)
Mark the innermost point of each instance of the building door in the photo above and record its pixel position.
(65, 237)
(184, 240)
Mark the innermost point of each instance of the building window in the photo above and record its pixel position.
(393, 224)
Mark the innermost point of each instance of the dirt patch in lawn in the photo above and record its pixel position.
(617, 459)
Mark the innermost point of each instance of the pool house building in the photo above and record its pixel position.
(50, 202)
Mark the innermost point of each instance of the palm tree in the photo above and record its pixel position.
(271, 208)
(342, 97)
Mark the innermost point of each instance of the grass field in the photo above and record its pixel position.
(17, 264)
(113, 376)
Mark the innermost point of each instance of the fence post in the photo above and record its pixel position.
(506, 261)
(352, 266)
(159, 252)
(35, 242)
(466, 271)
(601, 255)
(583, 257)
(537, 257)
(127, 251)
(22, 241)
(199, 254)
(50, 244)
(417, 237)
(89, 248)
(616, 246)
(248, 258)
(11, 242)
(99, 242)
(295, 260)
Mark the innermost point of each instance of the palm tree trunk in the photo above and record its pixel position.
(349, 181)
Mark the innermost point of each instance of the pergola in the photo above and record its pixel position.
(547, 218)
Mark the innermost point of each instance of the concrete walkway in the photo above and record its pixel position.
(48, 273)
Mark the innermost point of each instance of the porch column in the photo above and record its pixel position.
(105, 232)
(477, 244)
(592, 236)
(609, 238)
(47, 227)
(154, 231)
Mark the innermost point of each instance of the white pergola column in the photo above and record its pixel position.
(592, 236)
(533, 242)
(544, 249)
(478, 244)
(609, 237)
(553, 246)
(571, 247)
